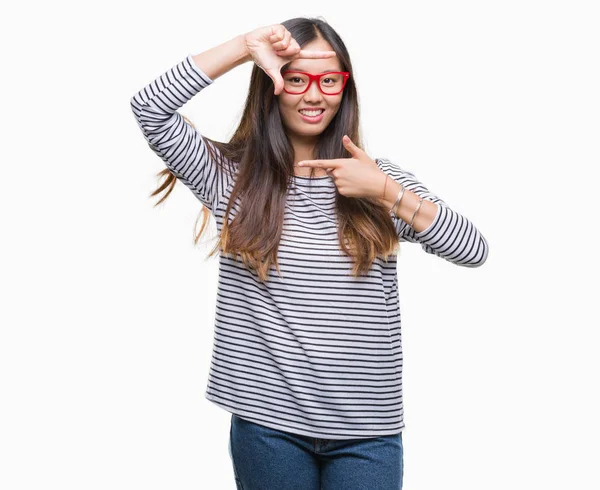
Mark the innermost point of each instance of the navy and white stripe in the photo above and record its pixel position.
(450, 236)
(315, 352)
(180, 146)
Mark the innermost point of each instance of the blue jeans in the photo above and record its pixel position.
(270, 459)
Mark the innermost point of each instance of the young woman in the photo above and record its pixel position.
(307, 353)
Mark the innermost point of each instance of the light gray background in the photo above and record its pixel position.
(107, 308)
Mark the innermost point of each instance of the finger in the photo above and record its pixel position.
(320, 163)
(316, 54)
(277, 80)
(350, 146)
(277, 31)
(292, 50)
(280, 45)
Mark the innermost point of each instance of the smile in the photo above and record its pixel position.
(312, 116)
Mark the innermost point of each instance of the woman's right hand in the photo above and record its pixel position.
(272, 47)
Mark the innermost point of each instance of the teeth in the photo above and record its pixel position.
(311, 113)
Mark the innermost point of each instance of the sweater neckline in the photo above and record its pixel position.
(312, 178)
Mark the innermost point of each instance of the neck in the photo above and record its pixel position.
(304, 148)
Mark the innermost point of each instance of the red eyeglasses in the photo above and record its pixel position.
(298, 82)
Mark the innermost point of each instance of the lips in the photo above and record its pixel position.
(312, 119)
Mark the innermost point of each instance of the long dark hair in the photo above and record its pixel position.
(264, 156)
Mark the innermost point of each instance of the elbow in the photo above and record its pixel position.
(481, 256)
(135, 106)
(137, 110)
(138, 106)
(475, 264)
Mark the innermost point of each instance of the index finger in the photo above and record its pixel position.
(320, 163)
(304, 53)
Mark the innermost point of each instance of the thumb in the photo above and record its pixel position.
(350, 146)
(277, 80)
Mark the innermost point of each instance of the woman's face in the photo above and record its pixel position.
(290, 105)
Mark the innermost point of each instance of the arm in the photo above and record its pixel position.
(181, 147)
(439, 229)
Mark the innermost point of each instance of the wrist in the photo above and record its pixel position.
(388, 197)
(218, 60)
(244, 53)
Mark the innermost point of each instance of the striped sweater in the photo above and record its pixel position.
(315, 352)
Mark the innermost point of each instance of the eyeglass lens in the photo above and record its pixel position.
(331, 83)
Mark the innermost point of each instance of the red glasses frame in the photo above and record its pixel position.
(316, 78)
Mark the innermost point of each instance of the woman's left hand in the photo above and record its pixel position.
(358, 176)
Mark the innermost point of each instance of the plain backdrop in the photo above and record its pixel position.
(107, 307)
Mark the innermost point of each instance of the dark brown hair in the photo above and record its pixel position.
(265, 158)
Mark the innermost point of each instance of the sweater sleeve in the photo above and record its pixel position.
(177, 143)
(450, 236)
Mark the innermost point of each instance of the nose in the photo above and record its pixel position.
(313, 92)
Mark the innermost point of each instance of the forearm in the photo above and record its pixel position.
(222, 58)
(407, 206)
